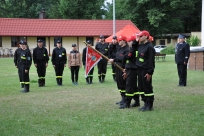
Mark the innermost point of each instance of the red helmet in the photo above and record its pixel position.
(122, 37)
(144, 33)
(131, 38)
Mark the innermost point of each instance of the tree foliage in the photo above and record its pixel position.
(157, 16)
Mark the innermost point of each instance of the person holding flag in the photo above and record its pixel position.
(120, 60)
(89, 59)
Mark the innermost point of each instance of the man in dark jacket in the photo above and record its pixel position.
(17, 54)
(145, 63)
(102, 47)
(181, 58)
(113, 47)
(40, 58)
(59, 60)
(89, 78)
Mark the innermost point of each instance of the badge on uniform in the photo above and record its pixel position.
(28, 58)
(60, 55)
(44, 54)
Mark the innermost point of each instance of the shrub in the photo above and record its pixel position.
(168, 50)
(193, 41)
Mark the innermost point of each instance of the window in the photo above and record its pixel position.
(56, 39)
(16, 40)
(161, 42)
(168, 40)
(43, 39)
(0, 41)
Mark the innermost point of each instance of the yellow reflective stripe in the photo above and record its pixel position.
(41, 77)
(119, 90)
(136, 92)
(127, 61)
(141, 92)
(99, 74)
(129, 94)
(103, 74)
(21, 82)
(62, 53)
(44, 54)
(58, 76)
(23, 57)
(123, 91)
(136, 53)
(106, 49)
(152, 94)
(141, 59)
(27, 82)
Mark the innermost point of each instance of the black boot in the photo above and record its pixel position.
(39, 83)
(126, 103)
(145, 105)
(57, 79)
(91, 78)
(26, 88)
(43, 82)
(22, 85)
(99, 78)
(120, 100)
(103, 79)
(149, 106)
(87, 80)
(137, 101)
(60, 81)
(114, 78)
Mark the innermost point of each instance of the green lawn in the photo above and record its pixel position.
(90, 110)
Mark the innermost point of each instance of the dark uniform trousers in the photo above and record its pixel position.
(19, 75)
(41, 70)
(74, 73)
(102, 68)
(59, 68)
(182, 72)
(121, 83)
(145, 87)
(24, 76)
(113, 71)
(131, 85)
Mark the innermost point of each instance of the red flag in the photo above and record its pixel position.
(92, 58)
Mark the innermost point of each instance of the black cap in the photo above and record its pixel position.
(22, 42)
(101, 36)
(39, 40)
(114, 37)
(58, 41)
(89, 42)
(73, 45)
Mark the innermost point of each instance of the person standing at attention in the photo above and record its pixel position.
(74, 63)
(181, 58)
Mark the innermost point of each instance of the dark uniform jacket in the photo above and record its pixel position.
(40, 55)
(130, 57)
(182, 53)
(146, 57)
(102, 48)
(17, 56)
(120, 56)
(112, 50)
(25, 58)
(59, 55)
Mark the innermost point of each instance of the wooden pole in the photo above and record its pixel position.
(104, 56)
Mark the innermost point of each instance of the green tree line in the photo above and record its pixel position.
(157, 16)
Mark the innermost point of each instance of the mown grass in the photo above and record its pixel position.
(90, 110)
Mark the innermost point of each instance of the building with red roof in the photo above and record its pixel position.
(69, 31)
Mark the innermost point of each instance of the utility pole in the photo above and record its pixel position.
(114, 24)
(202, 25)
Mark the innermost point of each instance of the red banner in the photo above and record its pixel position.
(92, 58)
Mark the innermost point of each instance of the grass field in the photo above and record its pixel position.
(90, 110)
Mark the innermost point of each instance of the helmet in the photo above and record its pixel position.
(131, 38)
(122, 37)
(89, 42)
(73, 45)
(101, 37)
(144, 32)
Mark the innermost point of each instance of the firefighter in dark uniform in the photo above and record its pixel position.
(89, 78)
(25, 62)
(131, 71)
(102, 47)
(113, 47)
(40, 58)
(181, 59)
(146, 64)
(16, 62)
(59, 60)
(120, 60)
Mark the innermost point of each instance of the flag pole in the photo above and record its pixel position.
(104, 56)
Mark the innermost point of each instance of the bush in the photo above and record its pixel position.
(194, 41)
(168, 50)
